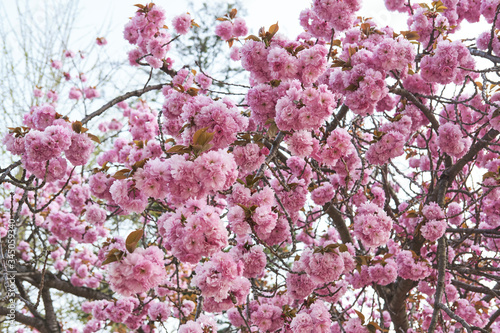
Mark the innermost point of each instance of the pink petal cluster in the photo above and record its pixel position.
(262, 99)
(412, 268)
(221, 117)
(321, 267)
(254, 259)
(340, 14)
(128, 196)
(300, 143)
(249, 157)
(314, 319)
(227, 29)
(193, 231)
(203, 81)
(389, 146)
(182, 179)
(443, 66)
(384, 272)
(219, 280)
(323, 194)
(433, 230)
(372, 225)
(338, 146)
(394, 54)
(267, 317)
(314, 25)
(304, 109)
(362, 86)
(182, 23)
(80, 149)
(146, 31)
(451, 140)
(138, 271)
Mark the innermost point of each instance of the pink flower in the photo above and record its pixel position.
(203, 81)
(75, 93)
(137, 272)
(194, 231)
(249, 157)
(323, 194)
(57, 64)
(372, 225)
(300, 143)
(182, 23)
(239, 27)
(127, 196)
(451, 140)
(433, 230)
(80, 149)
(412, 267)
(91, 92)
(37, 92)
(224, 30)
(101, 41)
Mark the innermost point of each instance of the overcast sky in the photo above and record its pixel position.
(107, 18)
(111, 15)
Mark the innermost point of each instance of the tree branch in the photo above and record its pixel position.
(121, 98)
(339, 222)
(485, 55)
(52, 281)
(33, 322)
(412, 98)
(442, 260)
(50, 314)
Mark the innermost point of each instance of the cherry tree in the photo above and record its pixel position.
(352, 184)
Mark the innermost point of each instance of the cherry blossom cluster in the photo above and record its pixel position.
(146, 30)
(228, 29)
(221, 283)
(448, 64)
(185, 114)
(340, 14)
(180, 178)
(283, 211)
(137, 272)
(194, 231)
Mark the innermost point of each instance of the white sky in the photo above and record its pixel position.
(111, 15)
(107, 18)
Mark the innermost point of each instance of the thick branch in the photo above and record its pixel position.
(473, 151)
(339, 222)
(477, 289)
(442, 258)
(119, 99)
(33, 322)
(454, 316)
(8, 169)
(50, 314)
(336, 121)
(485, 55)
(397, 304)
(52, 281)
(412, 98)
